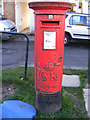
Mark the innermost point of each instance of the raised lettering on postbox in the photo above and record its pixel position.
(47, 74)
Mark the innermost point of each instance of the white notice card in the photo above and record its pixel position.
(49, 40)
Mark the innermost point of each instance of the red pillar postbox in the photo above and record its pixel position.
(49, 50)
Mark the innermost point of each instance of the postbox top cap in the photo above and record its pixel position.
(49, 5)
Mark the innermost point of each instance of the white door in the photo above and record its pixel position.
(79, 26)
(22, 15)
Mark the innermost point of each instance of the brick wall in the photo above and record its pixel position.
(9, 10)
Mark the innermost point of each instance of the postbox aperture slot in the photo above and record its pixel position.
(50, 23)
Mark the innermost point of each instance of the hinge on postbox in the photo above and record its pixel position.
(60, 58)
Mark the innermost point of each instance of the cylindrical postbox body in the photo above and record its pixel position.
(49, 50)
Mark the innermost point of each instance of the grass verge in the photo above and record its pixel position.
(73, 105)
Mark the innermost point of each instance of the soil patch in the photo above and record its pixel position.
(7, 91)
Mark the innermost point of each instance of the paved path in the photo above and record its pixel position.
(71, 81)
(74, 81)
(86, 93)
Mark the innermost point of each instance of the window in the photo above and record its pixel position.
(66, 16)
(71, 21)
(88, 20)
(78, 20)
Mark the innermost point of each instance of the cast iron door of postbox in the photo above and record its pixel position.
(49, 48)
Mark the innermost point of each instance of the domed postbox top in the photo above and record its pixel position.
(50, 5)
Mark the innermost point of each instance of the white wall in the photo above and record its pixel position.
(85, 6)
(32, 23)
(1, 7)
(22, 15)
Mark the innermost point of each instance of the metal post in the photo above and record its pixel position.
(27, 47)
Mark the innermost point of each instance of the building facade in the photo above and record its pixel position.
(19, 12)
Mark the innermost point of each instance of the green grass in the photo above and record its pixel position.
(72, 98)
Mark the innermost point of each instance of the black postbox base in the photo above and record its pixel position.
(48, 103)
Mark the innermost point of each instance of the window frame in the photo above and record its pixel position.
(77, 24)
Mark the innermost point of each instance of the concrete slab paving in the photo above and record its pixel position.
(71, 81)
(74, 81)
(86, 94)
